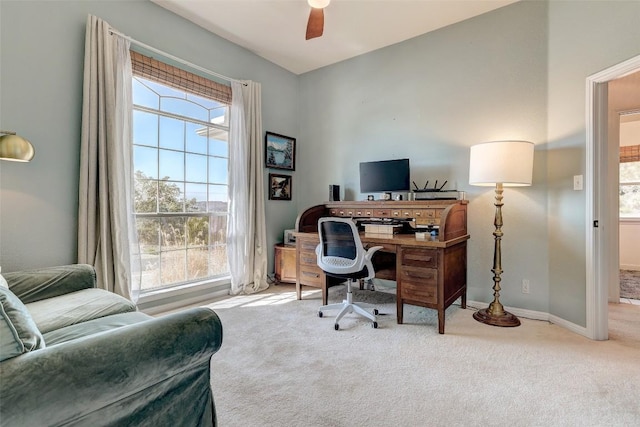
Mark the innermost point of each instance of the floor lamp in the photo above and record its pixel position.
(500, 164)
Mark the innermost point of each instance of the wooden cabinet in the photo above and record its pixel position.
(285, 263)
(308, 273)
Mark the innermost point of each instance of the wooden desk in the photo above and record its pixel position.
(430, 273)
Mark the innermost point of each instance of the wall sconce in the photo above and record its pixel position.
(501, 163)
(15, 148)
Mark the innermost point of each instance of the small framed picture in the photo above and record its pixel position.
(279, 187)
(280, 151)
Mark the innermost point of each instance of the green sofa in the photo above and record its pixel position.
(75, 355)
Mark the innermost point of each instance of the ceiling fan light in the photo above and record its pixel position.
(319, 4)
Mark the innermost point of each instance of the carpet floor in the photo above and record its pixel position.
(282, 365)
(630, 284)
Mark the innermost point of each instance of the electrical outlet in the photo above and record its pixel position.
(525, 286)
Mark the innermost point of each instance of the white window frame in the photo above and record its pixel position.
(216, 283)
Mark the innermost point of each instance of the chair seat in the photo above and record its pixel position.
(359, 275)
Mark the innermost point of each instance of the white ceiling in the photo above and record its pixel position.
(275, 29)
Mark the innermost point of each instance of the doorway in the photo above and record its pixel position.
(602, 185)
(629, 125)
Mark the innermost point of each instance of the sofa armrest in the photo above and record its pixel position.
(35, 285)
(150, 372)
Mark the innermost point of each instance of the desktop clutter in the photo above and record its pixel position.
(390, 226)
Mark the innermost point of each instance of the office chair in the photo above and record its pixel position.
(341, 254)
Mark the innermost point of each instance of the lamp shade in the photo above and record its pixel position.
(318, 4)
(509, 163)
(15, 148)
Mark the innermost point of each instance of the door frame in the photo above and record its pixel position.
(601, 217)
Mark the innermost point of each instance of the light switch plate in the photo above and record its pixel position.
(577, 182)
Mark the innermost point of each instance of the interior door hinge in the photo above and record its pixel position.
(595, 223)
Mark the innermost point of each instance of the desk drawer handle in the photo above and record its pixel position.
(309, 260)
(419, 258)
(419, 275)
(309, 274)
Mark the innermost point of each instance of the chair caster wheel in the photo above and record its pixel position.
(375, 312)
(336, 326)
(375, 325)
(319, 314)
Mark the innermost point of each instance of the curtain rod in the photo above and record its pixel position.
(175, 58)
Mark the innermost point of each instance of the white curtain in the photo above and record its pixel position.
(246, 229)
(106, 227)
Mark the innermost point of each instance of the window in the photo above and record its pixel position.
(180, 164)
(630, 189)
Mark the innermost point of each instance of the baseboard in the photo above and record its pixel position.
(633, 267)
(537, 315)
(520, 312)
(580, 330)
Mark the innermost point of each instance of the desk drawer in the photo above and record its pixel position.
(308, 245)
(382, 213)
(418, 257)
(308, 258)
(419, 284)
(360, 213)
(311, 276)
(402, 213)
(344, 212)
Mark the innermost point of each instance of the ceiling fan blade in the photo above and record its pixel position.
(315, 26)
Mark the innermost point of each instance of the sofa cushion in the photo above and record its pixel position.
(77, 307)
(94, 326)
(18, 332)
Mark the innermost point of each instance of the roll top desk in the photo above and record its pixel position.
(429, 272)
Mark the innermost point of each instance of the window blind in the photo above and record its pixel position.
(178, 78)
(630, 153)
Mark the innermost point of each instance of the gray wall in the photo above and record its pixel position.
(429, 99)
(584, 38)
(41, 69)
(517, 72)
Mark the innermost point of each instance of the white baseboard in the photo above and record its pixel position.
(520, 312)
(537, 315)
(580, 330)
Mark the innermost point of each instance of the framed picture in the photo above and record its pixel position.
(280, 151)
(279, 187)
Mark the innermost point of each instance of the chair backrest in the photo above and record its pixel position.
(340, 250)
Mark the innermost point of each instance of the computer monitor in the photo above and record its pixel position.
(384, 176)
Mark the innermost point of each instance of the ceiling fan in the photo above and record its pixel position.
(315, 26)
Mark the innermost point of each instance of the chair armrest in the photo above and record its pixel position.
(35, 285)
(371, 251)
(114, 377)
